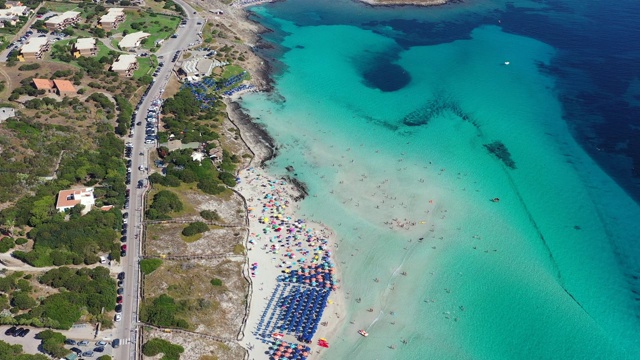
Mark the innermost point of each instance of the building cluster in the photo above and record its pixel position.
(12, 13)
(58, 86)
(113, 18)
(133, 40)
(85, 47)
(62, 21)
(125, 65)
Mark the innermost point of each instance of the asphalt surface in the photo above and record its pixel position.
(127, 328)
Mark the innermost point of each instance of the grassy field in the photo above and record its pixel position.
(61, 6)
(145, 67)
(188, 209)
(158, 25)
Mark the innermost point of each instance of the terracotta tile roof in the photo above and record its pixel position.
(43, 84)
(70, 198)
(64, 86)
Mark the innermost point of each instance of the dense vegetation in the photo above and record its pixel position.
(216, 282)
(193, 228)
(8, 351)
(162, 311)
(53, 343)
(77, 241)
(80, 291)
(102, 166)
(156, 346)
(124, 116)
(211, 180)
(164, 203)
(147, 266)
(186, 120)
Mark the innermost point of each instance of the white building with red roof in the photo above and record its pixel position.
(70, 198)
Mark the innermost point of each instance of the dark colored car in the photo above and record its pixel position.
(10, 331)
(123, 239)
(123, 253)
(119, 299)
(119, 308)
(99, 349)
(115, 343)
(17, 331)
(70, 342)
(76, 350)
(121, 275)
(120, 291)
(24, 332)
(87, 353)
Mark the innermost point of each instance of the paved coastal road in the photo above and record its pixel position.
(127, 328)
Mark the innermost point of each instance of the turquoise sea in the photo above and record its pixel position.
(387, 114)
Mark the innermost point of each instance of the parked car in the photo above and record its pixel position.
(119, 308)
(24, 332)
(118, 317)
(83, 343)
(115, 343)
(121, 275)
(119, 299)
(10, 331)
(70, 342)
(88, 353)
(99, 349)
(17, 332)
(76, 350)
(120, 291)
(101, 343)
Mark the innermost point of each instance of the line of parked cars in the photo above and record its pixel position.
(99, 346)
(151, 121)
(16, 331)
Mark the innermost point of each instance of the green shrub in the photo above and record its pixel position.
(161, 311)
(210, 215)
(21, 241)
(27, 67)
(154, 347)
(6, 244)
(195, 228)
(216, 282)
(147, 266)
(164, 202)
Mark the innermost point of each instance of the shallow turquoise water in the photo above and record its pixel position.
(536, 275)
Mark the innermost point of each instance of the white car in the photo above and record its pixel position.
(118, 317)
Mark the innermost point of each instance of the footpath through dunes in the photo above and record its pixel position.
(201, 275)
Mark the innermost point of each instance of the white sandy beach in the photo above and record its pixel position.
(255, 185)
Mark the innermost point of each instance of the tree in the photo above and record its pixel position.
(210, 215)
(195, 228)
(23, 301)
(53, 343)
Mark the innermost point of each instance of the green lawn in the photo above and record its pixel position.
(61, 6)
(158, 25)
(146, 66)
(231, 70)
(103, 50)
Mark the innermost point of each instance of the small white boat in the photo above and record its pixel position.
(363, 333)
(507, 62)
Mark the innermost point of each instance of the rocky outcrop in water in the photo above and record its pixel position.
(499, 150)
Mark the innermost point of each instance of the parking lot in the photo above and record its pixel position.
(80, 338)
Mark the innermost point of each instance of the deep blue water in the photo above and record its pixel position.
(598, 60)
